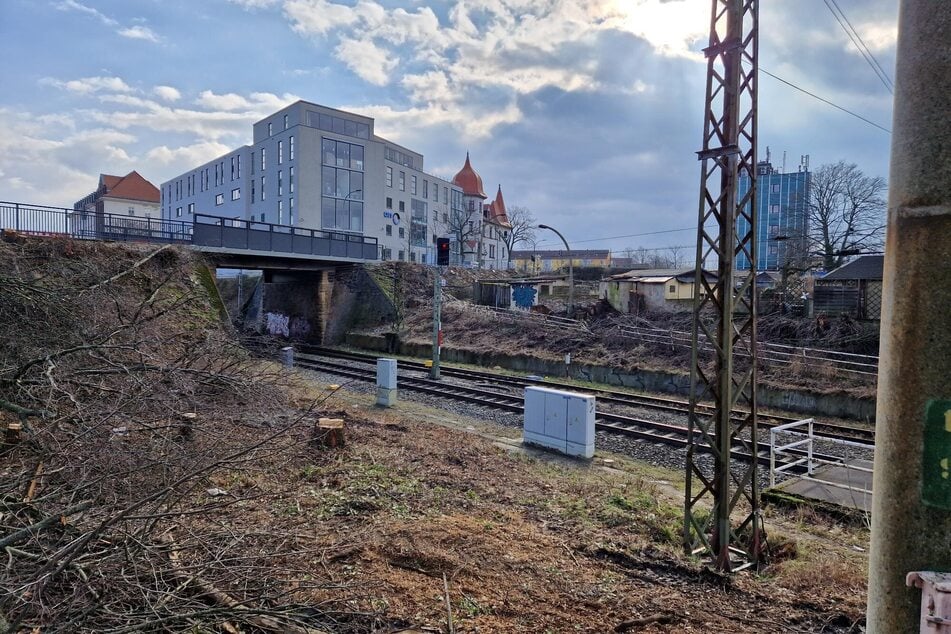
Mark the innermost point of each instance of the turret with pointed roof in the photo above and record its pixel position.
(497, 212)
(469, 180)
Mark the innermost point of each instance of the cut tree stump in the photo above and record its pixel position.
(12, 434)
(329, 432)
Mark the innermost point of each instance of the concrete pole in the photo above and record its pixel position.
(910, 532)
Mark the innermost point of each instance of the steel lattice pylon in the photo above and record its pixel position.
(724, 325)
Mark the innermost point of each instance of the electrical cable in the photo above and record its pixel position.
(860, 44)
(826, 101)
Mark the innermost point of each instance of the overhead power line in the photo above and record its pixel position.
(630, 235)
(825, 101)
(860, 44)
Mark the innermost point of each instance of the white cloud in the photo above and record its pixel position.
(878, 36)
(139, 32)
(187, 156)
(255, 4)
(73, 5)
(89, 85)
(167, 93)
(367, 60)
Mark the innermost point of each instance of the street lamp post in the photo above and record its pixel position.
(571, 271)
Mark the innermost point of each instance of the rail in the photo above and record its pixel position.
(206, 231)
(768, 353)
(790, 456)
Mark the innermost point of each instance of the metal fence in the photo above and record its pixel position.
(205, 231)
(90, 225)
(234, 233)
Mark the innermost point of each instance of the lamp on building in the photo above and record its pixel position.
(571, 270)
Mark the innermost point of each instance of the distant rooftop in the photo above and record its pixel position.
(864, 267)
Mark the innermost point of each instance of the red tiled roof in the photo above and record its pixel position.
(132, 186)
(469, 181)
(497, 213)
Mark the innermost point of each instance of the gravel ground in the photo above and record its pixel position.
(657, 454)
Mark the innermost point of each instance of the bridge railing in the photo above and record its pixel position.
(90, 225)
(236, 233)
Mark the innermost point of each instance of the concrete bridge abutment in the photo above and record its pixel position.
(296, 305)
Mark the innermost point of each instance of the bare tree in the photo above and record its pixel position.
(846, 212)
(464, 226)
(523, 227)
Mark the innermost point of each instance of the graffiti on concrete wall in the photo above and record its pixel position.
(277, 324)
(523, 295)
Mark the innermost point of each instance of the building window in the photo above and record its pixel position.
(492, 251)
(775, 188)
(672, 288)
(402, 206)
(236, 193)
(238, 161)
(219, 200)
(232, 168)
(387, 253)
(280, 212)
(402, 253)
(425, 188)
(445, 217)
(774, 209)
(270, 129)
(389, 203)
(131, 211)
(445, 195)
(389, 230)
(252, 189)
(252, 163)
(280, 182)
(402, 235)
(262, 216)
(389, 176)
(285, 122)
(280, 152)
(412, 188)
(263, 192)
(178, 212)
(402, 181)
(290, 179)
(191, 209)
(290, 148)
(263, 159)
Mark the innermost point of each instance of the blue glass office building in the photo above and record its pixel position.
(782, 211)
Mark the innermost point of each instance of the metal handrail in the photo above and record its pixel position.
(810, 460)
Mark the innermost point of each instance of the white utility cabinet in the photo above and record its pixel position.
(386, 382)
(559, 420)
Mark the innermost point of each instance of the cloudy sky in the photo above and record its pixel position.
(588, 112)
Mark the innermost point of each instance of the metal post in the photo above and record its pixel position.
(437, 323)
(571, 270)
(911, 506)
(724, 313)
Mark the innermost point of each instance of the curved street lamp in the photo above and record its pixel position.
(571, 270)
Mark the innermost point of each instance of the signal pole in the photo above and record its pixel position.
(437, 321)
(911, 504)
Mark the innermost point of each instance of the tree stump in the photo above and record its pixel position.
(187, 425)
(328, 432)
(12, 434)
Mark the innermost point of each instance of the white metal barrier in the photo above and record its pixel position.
(804, 430)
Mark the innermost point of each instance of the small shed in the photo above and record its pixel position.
(651, 289)
(853, 289)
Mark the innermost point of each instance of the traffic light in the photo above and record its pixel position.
(442, 251)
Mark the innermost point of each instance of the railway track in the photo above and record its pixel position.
(643, 429)
(608, 397)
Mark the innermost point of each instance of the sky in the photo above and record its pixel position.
(587, 112)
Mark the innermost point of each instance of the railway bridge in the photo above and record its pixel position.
(298, 264)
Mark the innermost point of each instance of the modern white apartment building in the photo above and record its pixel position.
(315, 167)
